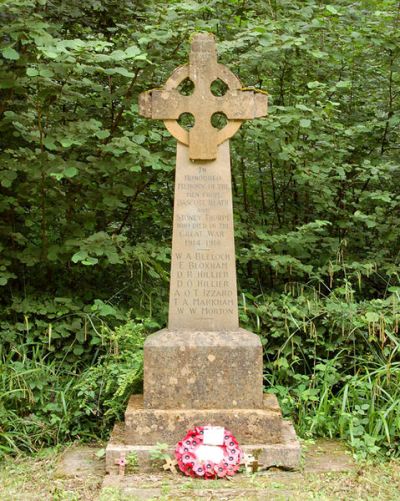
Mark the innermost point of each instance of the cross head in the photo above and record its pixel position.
(168, 104)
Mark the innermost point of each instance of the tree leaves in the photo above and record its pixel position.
(87, 184)
(305, 123)
(10, 53)
(70, 172)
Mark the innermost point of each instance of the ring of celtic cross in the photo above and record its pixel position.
(226, 76)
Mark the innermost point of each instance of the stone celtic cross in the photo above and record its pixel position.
(203, 368)
(203, 273)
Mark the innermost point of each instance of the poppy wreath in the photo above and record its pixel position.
(191, 465)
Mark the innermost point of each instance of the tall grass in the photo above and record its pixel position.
(44, 402)
(334, 364)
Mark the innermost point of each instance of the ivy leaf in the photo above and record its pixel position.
(118, 55)
(90, 261)
(7, 178)
(371, 316)
(48, 142)
(44, 72)
(303, 107)
(120, 71)
(331, 9)
(66, 142)
(103, 309)
(319, 54)
(32, 72)
(132, 51)
(78, 350)
(79, 256)
(102, 134)
(314, 85)
(344, 84)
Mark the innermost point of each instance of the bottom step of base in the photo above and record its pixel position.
(285, 454)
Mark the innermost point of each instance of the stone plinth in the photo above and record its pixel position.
(203, 370)
(197, 378)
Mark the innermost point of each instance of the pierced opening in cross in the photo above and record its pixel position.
(186, 120)
(219, 120)
(218, 87)
(186, 87)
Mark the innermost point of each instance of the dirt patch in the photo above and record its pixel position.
(327, 455)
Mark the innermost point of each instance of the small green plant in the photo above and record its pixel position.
(165, 489)
(160, 454)
(111, 494)
(132, 461)
(101, 454)
(43, 402)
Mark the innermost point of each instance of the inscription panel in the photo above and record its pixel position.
(203, 275)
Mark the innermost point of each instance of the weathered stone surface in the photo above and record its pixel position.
(203, 370)
(147, 426)
(284, 454)
(79, 461)
(203, 292)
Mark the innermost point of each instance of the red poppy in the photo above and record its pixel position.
(188, 470)
(209, 466)
(188, 458)
(199, 469)
(183, 449)
(231, 470)
(199, 432)
(220, 470)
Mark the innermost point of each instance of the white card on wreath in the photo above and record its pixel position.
(213, 435)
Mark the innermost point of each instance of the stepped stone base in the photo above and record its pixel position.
(261, 431)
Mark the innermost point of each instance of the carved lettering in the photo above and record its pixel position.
(203, 258)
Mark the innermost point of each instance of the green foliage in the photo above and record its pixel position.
(160, 453)
(86, 190)
(334, 364)
(45, 402)
(132, 461)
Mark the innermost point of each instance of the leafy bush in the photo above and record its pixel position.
(334, 364)
(45, 401)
